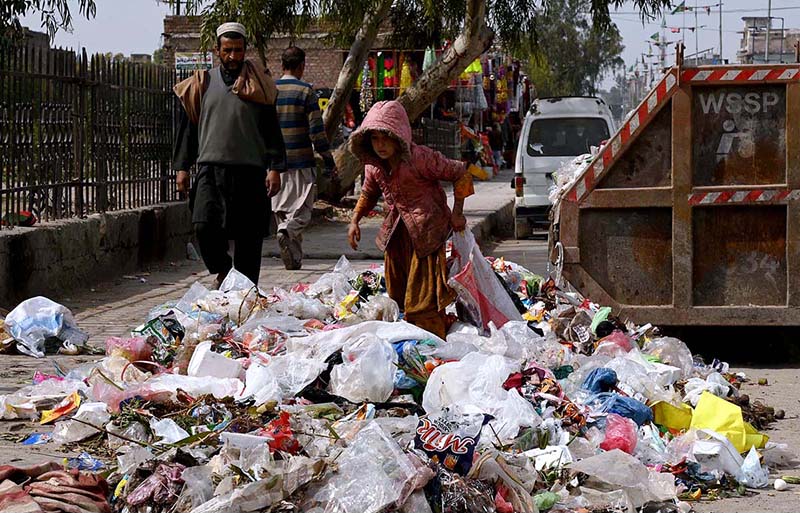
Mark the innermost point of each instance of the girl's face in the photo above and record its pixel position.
(385, 147)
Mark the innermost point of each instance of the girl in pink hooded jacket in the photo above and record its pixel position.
(418, 220)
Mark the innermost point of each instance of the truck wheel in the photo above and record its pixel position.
(522, 229)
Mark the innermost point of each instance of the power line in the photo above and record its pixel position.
(727, 11)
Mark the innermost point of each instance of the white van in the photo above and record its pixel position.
(555, 131)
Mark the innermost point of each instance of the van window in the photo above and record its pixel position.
(565, 137)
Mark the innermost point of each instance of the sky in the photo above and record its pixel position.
(135, 26)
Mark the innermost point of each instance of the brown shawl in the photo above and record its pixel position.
(253, 84)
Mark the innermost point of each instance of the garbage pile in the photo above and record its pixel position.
(319, 399)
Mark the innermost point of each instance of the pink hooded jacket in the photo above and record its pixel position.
(412, 192)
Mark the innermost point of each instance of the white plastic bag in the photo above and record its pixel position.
(753, 475)
(69, 431)
(167, 430)
(367, 371)
(479, 289)
(35, 320)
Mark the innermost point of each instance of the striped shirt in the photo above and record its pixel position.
(301, 123)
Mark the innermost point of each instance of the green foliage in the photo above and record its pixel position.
(572, 50)
(55, 15)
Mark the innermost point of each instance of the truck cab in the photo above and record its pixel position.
(555, 131)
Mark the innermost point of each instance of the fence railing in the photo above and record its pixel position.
(442, 136)
(81, 134)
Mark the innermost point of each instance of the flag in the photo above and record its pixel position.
(681, 7)
(654, 37)
(675, 30)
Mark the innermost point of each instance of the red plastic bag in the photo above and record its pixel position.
(620, 434)
(617, 338)
(281, 433)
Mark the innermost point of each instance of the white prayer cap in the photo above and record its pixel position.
(231, 26)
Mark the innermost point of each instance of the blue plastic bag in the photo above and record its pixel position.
(600, 380)
(624, 406)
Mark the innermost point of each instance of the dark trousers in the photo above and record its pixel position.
(230, 203)
(214, 247)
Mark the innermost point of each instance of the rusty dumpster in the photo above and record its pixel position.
(690, 214)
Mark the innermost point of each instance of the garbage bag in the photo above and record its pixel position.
(715, 383)
(477, 285)
(451, 436)
(601, 379)
(620, 434)
(367, 371)
(606, 402)
(374, 473)
(35, 320)
(477, 380)
(623, 471)
(672, 352)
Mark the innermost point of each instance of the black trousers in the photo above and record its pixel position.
(231, 203)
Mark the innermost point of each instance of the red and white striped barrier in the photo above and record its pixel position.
(779, 74)
(739, 196)
(629, 131)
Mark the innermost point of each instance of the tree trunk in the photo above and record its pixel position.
(352, 67)
(475, 39)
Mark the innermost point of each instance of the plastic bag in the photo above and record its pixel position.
(206, 362)
(69, 431)
(199, 484)
(753, 474)
(637, 411)
(477, 380)
(478, 288)
(616, 338)
(450, 437)
(132, 349)
(715, 383)
(672, 352)
(330, 288)
(167, 431)
(620, 434)
(379, 308)
(373, 474)
(367, 371)
(725, 418)
(300, 306)
(601, 379)
(35, 320)
(623, 471)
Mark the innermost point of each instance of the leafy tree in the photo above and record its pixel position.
(158, 56)
(55, 15)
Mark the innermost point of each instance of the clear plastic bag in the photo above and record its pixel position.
(373, 474)
(35, 320)
(672, 352)
(367, 371)
(620, 434)
(132, 349)
(379, 308)
(199, 486)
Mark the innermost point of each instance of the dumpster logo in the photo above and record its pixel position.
(735, 103)
(742, 141)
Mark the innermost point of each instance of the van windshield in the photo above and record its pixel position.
(565, 137)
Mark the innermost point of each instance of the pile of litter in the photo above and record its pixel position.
(319, 399)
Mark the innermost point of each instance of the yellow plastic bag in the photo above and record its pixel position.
(677, 418)
(726, 419)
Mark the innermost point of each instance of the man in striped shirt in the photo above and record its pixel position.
(303, 132)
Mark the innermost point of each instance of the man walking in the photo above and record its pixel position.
(229, 127)
(301, 124)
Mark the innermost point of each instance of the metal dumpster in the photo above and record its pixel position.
(690, 214)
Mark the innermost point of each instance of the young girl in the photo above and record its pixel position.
(418, 220)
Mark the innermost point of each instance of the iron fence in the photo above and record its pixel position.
(82, 134)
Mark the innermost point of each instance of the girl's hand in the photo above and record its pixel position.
(354, 235)
(458, 221)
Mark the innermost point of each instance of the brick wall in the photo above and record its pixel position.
(323, 62)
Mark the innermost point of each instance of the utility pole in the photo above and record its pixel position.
(720, 31)
(769, 29)
(696, 37)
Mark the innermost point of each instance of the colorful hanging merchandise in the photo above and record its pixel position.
(429, 59)
(405, 77)
(367, 99)
(389, 73)
(379, 80)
